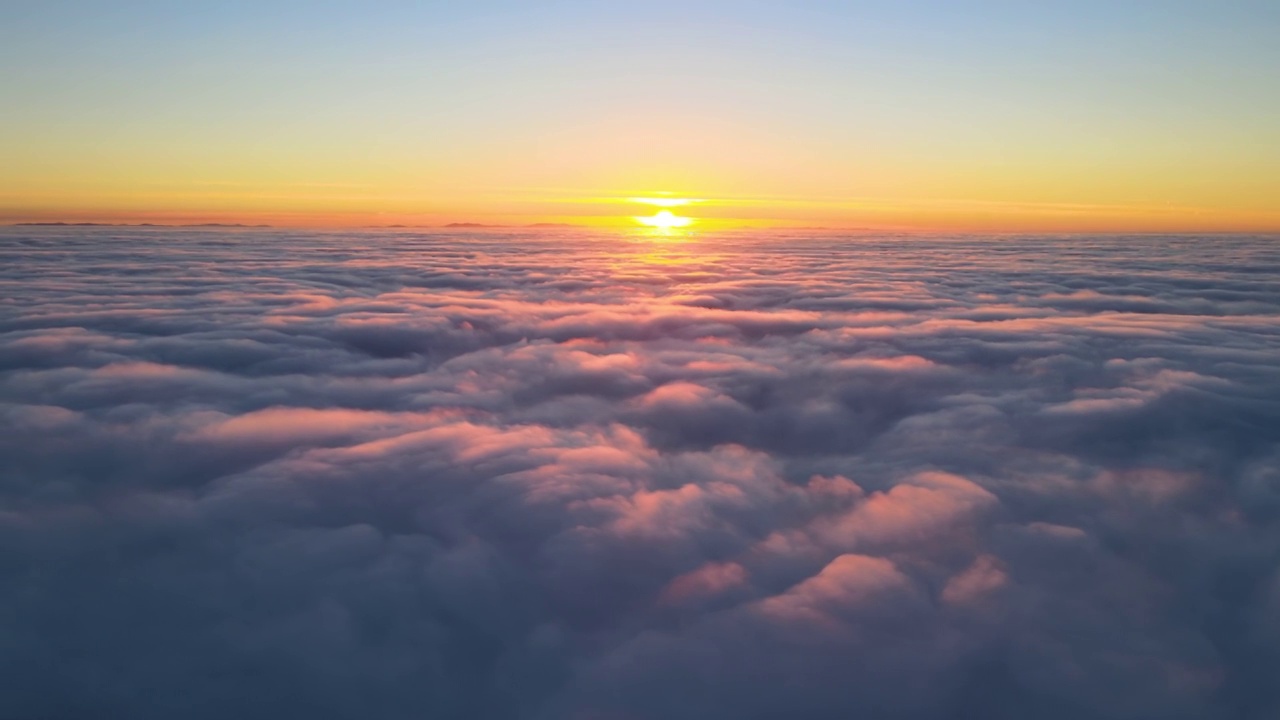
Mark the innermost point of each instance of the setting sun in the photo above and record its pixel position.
(665, 220)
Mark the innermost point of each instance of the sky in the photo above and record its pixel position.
(1000, 116)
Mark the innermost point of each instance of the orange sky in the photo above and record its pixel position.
(828, 114)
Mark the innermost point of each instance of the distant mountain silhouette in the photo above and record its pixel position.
(486, 225)
(464, 225)
(97, 224)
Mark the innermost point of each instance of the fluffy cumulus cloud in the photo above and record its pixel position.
(548, 475)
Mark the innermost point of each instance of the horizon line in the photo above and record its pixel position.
(722, 227)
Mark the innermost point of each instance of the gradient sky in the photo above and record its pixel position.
(998, 116)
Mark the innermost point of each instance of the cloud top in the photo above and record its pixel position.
(576, 476)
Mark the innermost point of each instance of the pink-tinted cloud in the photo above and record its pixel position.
(842, 587)
(980, 579)
(923, 507)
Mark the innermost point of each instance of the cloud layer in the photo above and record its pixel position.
(549, 475)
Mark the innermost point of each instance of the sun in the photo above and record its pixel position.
(665, 220)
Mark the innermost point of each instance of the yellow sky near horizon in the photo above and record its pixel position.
(351, 207)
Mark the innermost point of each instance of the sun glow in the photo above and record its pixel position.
(666, 202)
(665, 220)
